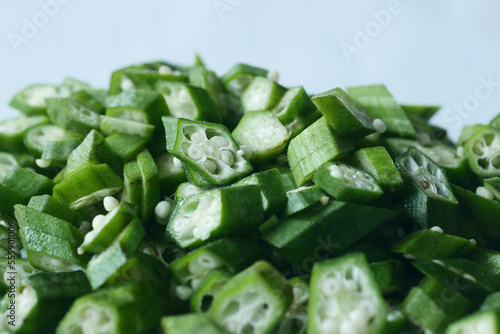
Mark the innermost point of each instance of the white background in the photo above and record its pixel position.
(429, 52)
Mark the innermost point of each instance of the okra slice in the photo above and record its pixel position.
(483, 152)
(481, 322)
(206, 148)
(271, 188)
(425, 112)
(107, 228)
(73, 116)
(301, 198)
(314, 146)
(95, 99)
(262, 94)
(190, 323)
(42, 300)
(252, 301)
(51, 243)
(324, 229)
(389, 275)
(214, 213)
(7, 162)
(87, 185)
(380, 103)
(130, 308)
(59, 150)
(27, 183)
(426, 245)
(171, 175)
(344, 114)
(426, 194)
(237, 79)
(295, 318)
(12, 131)
(346, 183)
(377, 161)
(493, 185)
(49, 205)
(31, 100)
(345, 298)
(105, 265)
(261, 135)
(199, 76)
(126, 146)
(113, 125)
(145, 78)
(37, 137)
(190, 102)
(209, 288)
(294, 103)
(229, 254)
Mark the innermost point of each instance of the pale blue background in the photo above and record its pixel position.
(432, 52)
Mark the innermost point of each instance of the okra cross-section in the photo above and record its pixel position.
(206, 148)
(483, 152)
(345, 298)
(210, 214)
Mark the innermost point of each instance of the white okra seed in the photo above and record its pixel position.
(110, 203)
(379, 125)
(165, 70)
(183, 292)
(220, 141)
(240, 152)
(126, 84)
(149, 251)
(483, 192)
(227, 157)
(80, 251)
(331, 286)
(329, 326)
(273, 75)
(98, 222)
(437, 229)
(43, 163)
(198, 137)
(210, 166)
(472, 241)
(195, 152)
(177, 162)
(324, 200)
(163, 209)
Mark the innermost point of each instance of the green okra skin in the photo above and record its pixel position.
(50, 243)
(488, 259)
(9, 198)
(105, 265)
(237, 79)
(253, 300)
(59, 150)
(482, 153)
(130, 308)
(380, 103)
(424, 111)
(295, 318)
(344, 114)
(313, 147)
(262, 94)
(126, 146)
(12, 131)
(207, 149)
(466, 132)
(44, 297)
(7, 162)
(493, 185)
(192, 176)
(27, 183)
(439, 291)
(73, 116)
(190, 323)
(37, 137)
(396, 322)
(293, 104)
(199, 76)
(209, 288)
(344, 297)
(113, 125)
(324, 230)
(87, 185)
(346, 183)
(224, 211)
(95, 99)
(426, 194)
(389, 275)
(31, 100)
(272, 191)
(377, 161)
(485, 321)
(49, 205)
(170, 174)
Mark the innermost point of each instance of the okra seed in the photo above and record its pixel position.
(368, 308)
(177, 162)
(210, 166)
(469, 277)
(149, 251)
(80, 251)
(207, 262)
(473, 241)
(240, 152)
(273, 75)
(198, 137)
(247, 151)
(98, 222)
(351, 285)
(324, 200)
(379, 125)
(227, 157)
(195, 152)
(43, 163)
(347, 327)
(220, 141)
(195, 283)
(110, 203)
(165, 70)
(483, 192)
(329, 326)
(183, 292)
(331, 286)
(126, 84)
(461, 152)
(184, 96)
(163, 210)
(438, 262)
(437, 229)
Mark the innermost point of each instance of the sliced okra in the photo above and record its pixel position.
(206, 148)
(295, 318)
(51, 243)
(293, 104)
(95, 99)
(31, 100)
(345, 298)
(107, 228)
(467, 132)
(314, 146)
(9, 198)
(87, 185)
(12, 131)
(380, 103)
(262, 94)
(237, 79)
(7, 163)
(195, 178)
(209, 288)
(214, 213)
(425, 112)
(59, 150)
(73, 116)
(49, 205)
(113, 125)
(483, 152)
(133, 307)
(190, 102)
(261, 135)
(186, 189)
(27, 183)
(228, 254)
(493, 186)
(346, 183)
(389, 275)
(144, 78)
(126, 146)
(488, 259)
(428, 244)
(201, 77)
(344, 114)
(37, 294)
(253, 301)
(426, 194)
(190, 323)
(37, 137)
(271, 188)
(324, 229)
(480, 322)
(103, 266)
(377, 161)
(171, 174)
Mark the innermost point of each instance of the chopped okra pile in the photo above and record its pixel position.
(179, 201)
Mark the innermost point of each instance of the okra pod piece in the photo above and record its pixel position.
(51, 243)
(262, 94)
(113, 125)
(481, 322)
(389, 275)
(12, 131)
(345, 298)
(201, 77)
(294, 103)
(426, 112)
(144, 77)
(261, 135)
(295, 318)
(126, 146)
(190, 323)
(87, 185)
(95, 99)
(9, 198)
(209, 288)
(130, 308)
(59, 150)
(7, 163)
(237, 79)
(380, 103)
(301, 198)
(482, 152)
(31, 100)
(214, 213)
(252, 301)
(314, 146)
(37, 137)
(27, 183)
(206, 148)
(171, 175)
(73, 116)
(49, 205)
(493, 186)
(346, 183)
(488, 259)
(426, 194)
